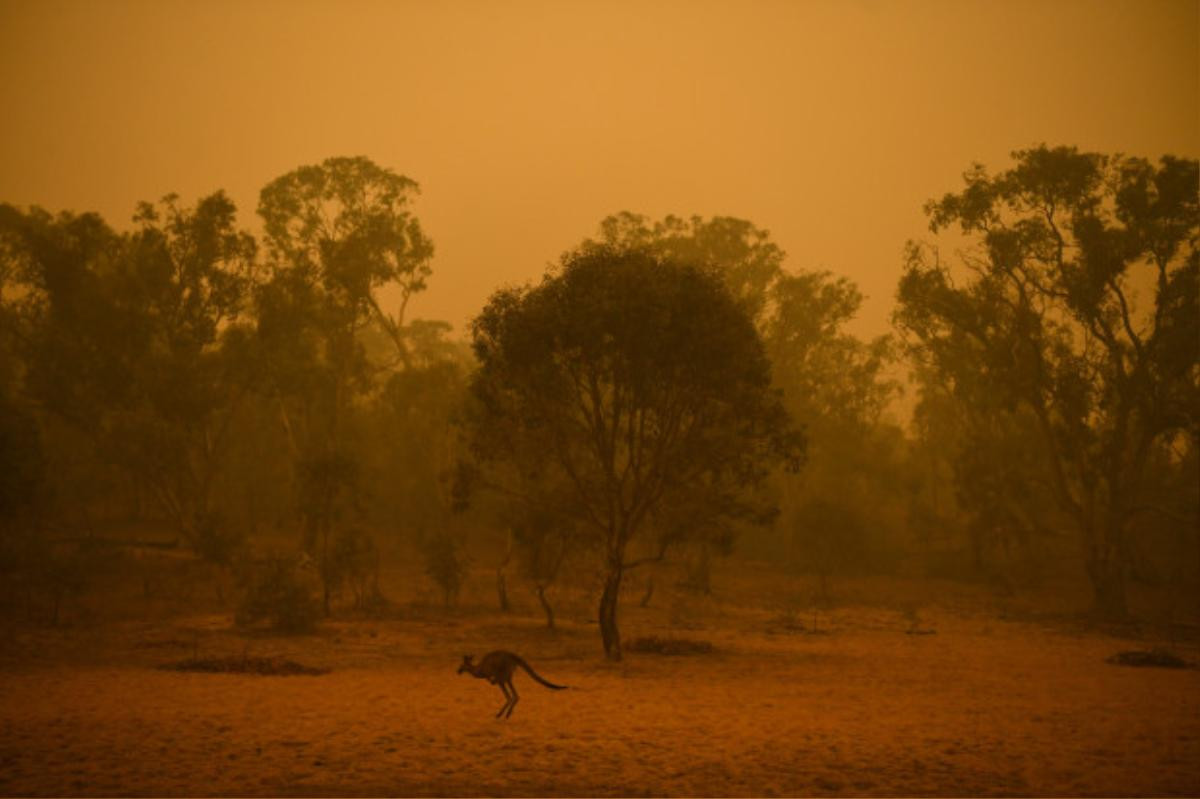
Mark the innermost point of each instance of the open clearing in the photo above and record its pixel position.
(984, 706)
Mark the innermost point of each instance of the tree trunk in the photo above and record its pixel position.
(1109, 599)
(541, 595)
(609, 633)
(649, 592)
(218, 576)
(975, 531)
(502, 591)
(501, 578)
(325, 566)
(702, 571)
(1106, 569)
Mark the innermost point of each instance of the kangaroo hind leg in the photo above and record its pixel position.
(512, 702)
(508, 700)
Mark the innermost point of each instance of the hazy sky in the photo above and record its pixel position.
(525, 123)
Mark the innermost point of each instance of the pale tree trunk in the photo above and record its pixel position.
(549, 611)
(502, 577)
(502, 591)
(645, 603)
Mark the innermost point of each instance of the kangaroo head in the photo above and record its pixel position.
(466, 665)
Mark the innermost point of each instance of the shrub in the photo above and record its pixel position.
(670, 646)
(244, 665)
(275, 592)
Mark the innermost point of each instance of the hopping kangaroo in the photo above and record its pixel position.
(497, 668)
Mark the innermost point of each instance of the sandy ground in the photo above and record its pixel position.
(982, 707)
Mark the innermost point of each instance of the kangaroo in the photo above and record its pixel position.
(497, 668)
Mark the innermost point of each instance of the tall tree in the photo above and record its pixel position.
(1080, 307)
(340, 234)
(640, 383)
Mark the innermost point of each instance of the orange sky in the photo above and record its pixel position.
(525, 123)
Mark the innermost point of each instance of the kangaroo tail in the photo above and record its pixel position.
(521, 662)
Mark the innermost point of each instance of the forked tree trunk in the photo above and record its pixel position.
(609, 634)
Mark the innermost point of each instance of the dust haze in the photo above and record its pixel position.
(604, 398)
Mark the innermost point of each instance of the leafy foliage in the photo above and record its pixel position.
(344, 229)
(338, 233)
(835, 386)
(130, 338)
(639, 384)
(1080, 309)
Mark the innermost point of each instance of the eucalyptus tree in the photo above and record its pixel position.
(639, 384)
(135, 340)
(346, 226)
(341, 235)
(1077, 304)
(744, 255)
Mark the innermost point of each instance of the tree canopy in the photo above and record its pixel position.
(346, 225)
(132, 338)
(639, 383)
(834, 384)
(1078, 305)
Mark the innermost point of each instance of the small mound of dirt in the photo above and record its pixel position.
(670, 646)
(244, 665)
(1159, 658)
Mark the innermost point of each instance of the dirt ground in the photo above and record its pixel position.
(982, 706)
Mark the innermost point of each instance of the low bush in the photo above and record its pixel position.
(670, 646)
(244, 665)
(277, 593)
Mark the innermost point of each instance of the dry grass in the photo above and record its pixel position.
(985, 707)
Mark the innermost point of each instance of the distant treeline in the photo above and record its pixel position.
(671, 390)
